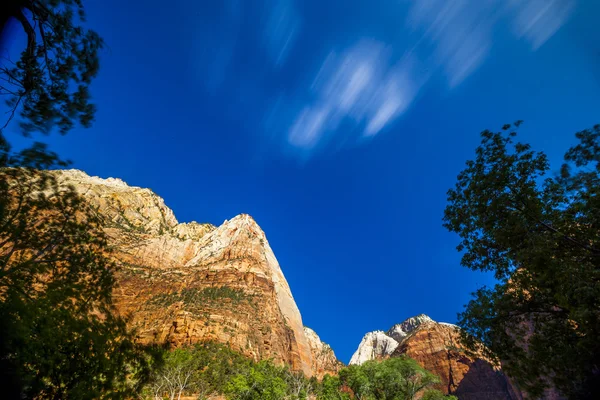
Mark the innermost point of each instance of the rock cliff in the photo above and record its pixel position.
(437, 348)
(324, 359)
(188, 282)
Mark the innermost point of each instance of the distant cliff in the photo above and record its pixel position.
(436, 346)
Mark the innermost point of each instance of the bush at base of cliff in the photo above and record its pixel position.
(399, 378)
(209, 369)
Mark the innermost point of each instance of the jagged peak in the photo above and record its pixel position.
(241, 220)
(244, 223)
(403, 329)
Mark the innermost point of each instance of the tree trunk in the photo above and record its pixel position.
(14, 9)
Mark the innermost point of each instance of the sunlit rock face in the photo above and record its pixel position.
(323, 357)
(184, 283)
(436, 346)
(374, 346)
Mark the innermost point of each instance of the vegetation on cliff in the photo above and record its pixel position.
(538, 233)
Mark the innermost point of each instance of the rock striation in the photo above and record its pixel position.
(184, 283)
(436, 346)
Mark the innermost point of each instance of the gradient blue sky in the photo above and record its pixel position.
(338, 125)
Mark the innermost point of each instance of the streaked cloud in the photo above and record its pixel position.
(367, 87)
(281, 28)
(461, 31)
(360, 86)
(354, 91)
(538, 20)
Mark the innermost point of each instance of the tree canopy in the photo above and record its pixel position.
(48, 85)
(398, 378)
(210, 369)
(59, 335)
(538, 233)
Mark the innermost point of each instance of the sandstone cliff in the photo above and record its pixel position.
(324, 359)
(188, 282)
(437, 348)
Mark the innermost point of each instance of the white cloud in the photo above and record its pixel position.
(308, 128)
(361, 91)
(538, 20)
(358, 86)
(461, 31)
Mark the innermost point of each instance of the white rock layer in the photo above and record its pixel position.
(374, 345)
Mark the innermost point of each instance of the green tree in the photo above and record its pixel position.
(263, 381)
(433, 394)
(538, 233)
(49, 84)
(330, 389)
(398, 378)
(60, 337)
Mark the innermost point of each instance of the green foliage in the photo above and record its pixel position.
(263, 381)
(398, 378)
(330, 389)
(539, 234)
(211, 368)
(433, 394)
(59, 337)
(49, 84)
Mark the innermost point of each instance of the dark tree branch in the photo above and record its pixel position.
(28, 30)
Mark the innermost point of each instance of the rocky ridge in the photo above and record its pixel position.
(184, 283)
(436, 346)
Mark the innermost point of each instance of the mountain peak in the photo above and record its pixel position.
(400, 331)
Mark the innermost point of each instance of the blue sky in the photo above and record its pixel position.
(338, 125)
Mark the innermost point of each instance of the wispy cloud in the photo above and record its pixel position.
(359, 86)
(281, 28)
(367, 87)
(359, 90)
(538, 20)
(461, 31)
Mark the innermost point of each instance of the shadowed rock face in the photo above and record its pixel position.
(437, 348)
(187, 283)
